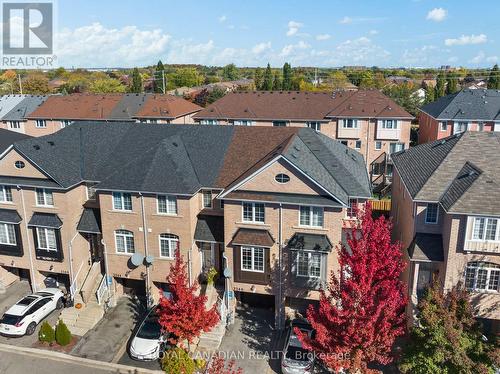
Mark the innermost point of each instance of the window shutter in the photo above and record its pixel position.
(379, 123)
(341, 122)
(324, 272)
(398, 124)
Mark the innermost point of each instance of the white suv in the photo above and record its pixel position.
(23, 317)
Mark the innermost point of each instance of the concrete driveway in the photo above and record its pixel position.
(14, 293)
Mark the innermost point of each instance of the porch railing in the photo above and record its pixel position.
(102, 291)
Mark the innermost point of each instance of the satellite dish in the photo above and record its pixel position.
(227, 273)
(149, 260)
(137, 259)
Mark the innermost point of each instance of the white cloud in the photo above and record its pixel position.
(373, 32)
(467, 39)
(261, 47)
(222, 18)
(360, 51)
(419, 56)
(480, 57)
(293, 28)
(437, 14)
(185, 52)
(292, 48)
(323, 37)
(346, 20)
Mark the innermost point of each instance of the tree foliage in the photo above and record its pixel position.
(184, 315)
(267, 81)
(451, 83)
(277, 81)
(440, 89)
(106, 85)
(338, 80)
(63, 335)
(218, 366)
(186, 77)
(404, 94)
(287, 77)
(36, 84)
(158, 78)
(177, 360)
(447, 338)
(257, 78)
(47, 333)
(361, 312)
(230, 72)
(136, 85)
(494, 78)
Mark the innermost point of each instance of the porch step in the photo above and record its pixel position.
(212, 340)
(3, 289)
(80, 321)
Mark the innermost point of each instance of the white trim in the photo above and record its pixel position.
(309, 254)
(311, 207)
(252, 256)
(167, 213)
(126, 252)
(253, 221)
(170, 240)
(206, 191)
(6, 224)
(45, 192)
(122, 201)
(437, 214)
(45, 234)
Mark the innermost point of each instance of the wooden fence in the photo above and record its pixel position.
(381, 205)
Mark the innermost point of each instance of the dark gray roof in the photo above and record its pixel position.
(25, 107)
(8, 137)
(128, 107)
(90, 222)
(140, 157)
(45, 220)
(312, 242)
(288, 198)
(28, 182)
(463, 173)
(209, 229)
(468, 104)
(426, 247)
(7, 102)
(9, 216)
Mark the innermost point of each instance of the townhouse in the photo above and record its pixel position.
(43, 115)
(467, 110)
(364, 120)
(263, 206)
(446, 211)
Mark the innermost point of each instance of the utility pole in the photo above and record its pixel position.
(163, 80)
(20, 84)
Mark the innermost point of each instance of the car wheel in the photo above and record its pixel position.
(60, 303)
(31, 328)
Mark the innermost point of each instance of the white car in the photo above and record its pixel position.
(149, 340)
(23, 317)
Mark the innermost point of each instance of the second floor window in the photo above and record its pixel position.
(5, 194)
(352, 209)
(396, 147)
(15, 124)
(243, 122)
(168, 245)
(443, 126)
(44, 197)
(485, 229)
(482, 276)
(431, 213)
(46, 238)
(7, 234)
(167, 204)
(378, 145)
(252, 259)
(316, 126)
(311, 216)
(40, 124)
(65, 123)
(207, 199)
(91, 193)
(124, 241)
(253, 212)
(390, 124)
(309, 264)
(279, 123)
(122, 201)
(350, 123)
(209, 122)
(460, 127)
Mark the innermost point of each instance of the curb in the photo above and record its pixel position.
(62, 357)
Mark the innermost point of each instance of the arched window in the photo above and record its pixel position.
(482, 276)
(124, 241)
(168, 244)
(282, 178)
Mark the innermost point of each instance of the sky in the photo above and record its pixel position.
(322, 33)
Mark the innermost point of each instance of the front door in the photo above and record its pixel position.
(208, 256)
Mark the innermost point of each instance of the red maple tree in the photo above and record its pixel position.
(218, 366)
(184, 314)
(362, 310)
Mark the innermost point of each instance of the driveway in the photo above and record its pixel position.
(14, 293)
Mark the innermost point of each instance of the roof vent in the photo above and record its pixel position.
(175, 144)
(36, 146)
(51, 143)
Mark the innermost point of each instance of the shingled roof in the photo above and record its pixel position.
(468, 104)
(462, 172)
(136, 157)
(8, 137)
(166, 106)
(25, 107)
(302, 106)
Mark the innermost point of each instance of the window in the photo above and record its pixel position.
(431, 213)
(5, 194)
(443, 126)
(65, 123)
(389, 124)
(209, 122)
(357, 144)
(350, 123)
(345, 142)
(316, 126)
(122, 201)
(352, 209)
(91, 194)
(311, 216)
(19, 164)
(46, 238)
(244, 122)
(279, 123)
(124, 241)
(168, 244)
(252, 259)
(460, 127)
(482, 276)
(40, 124)
(282, 178)
(149, 120)
(480, 126)
(253, 212)
(309, 264)
(7, 234)
(485, 229)
(44, 197)
(396, 147)
(167, 204)
(14, 124)
(207, 199)
(378, 145)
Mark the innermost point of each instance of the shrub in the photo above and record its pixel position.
(211, 276)
(177, 360)
(63, 335)
(46, 333)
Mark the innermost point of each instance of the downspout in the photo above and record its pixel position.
(33, 280)
(71, 274)
(106, 270)
(280, 261)
(145, 232)
(367, 144)
(190, 266)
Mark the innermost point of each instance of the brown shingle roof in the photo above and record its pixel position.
(302, 105)
(166, 106)
(257, 237)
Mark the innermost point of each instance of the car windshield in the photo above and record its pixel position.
(150, 329)
(9, 319)
(298, 354)
(27, 300)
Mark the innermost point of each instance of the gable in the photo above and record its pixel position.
(8, 168)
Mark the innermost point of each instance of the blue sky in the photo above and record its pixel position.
(389, 33)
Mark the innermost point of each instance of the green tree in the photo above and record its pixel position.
(440, 88)
(257, 78)
(451, 83)
(494, 78)
(429, 94)
(36, 84)
(366, 79)
(287, 77)
(277, 81)
(63, 336)
(267, 83)
(187, 77)
(230, 72)
(404, 94)
(136, 85)
(76, 83)
(338, 80)
(447, 338)
(106, 85)
(46, 333)
(159, 78)
(177, 360)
